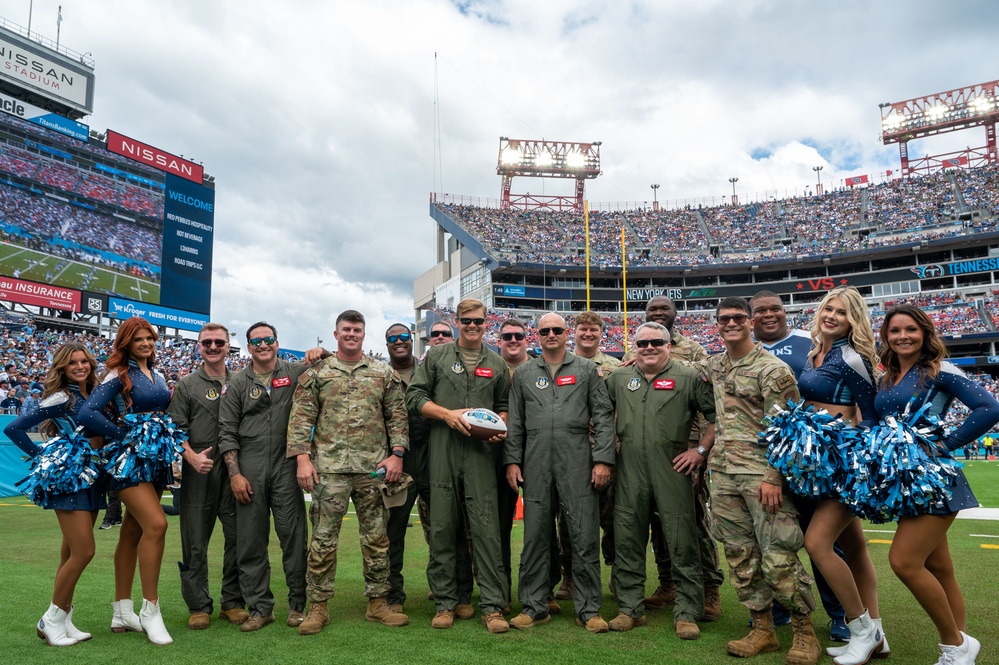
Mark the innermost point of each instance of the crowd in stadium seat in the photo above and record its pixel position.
(900, 210)
(74, 179)
(51, 219)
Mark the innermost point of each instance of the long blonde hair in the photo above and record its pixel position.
(861, 336)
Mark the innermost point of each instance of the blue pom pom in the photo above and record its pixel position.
(906, 470)
(807, 447)
(152, 444)
(65, 465)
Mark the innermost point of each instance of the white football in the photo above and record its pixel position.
(483, 423)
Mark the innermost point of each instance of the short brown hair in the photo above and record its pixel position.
(468, 305)
(589, 318)
(208, 327)
(512, 322)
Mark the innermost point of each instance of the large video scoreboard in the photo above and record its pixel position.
(118, 226)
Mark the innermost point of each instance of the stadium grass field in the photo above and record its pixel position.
(73, 275)
(31, 538)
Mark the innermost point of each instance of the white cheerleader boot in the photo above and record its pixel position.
(835, 652)
(72, 631)
(865, 641)
(152, 623)
(124, 617)
(52, 627)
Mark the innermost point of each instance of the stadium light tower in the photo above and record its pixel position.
(963, 108)
(735, 199)
(546, 159)
(655, 199)
(818, 179)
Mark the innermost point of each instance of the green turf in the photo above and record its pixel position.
(31, 538)
(15, 257)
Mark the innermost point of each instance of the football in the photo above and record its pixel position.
(484, 423)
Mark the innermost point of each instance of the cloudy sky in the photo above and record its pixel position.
(317, 118)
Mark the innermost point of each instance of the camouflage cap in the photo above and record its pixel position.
(394, 494)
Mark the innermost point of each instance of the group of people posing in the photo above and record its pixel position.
(667, 440)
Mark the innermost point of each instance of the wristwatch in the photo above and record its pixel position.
(701, 450)
(399, 452)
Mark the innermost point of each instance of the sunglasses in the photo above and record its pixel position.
(217, 343)
(737, 319)
(466, 321)
(392, 339)
(441, 333)
(544, 332)
(509, 337)
(257, 341)
(646, 343)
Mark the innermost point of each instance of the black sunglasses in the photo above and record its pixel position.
(737, 319)
(508, 337)
(466, 321)
(441, 333)
(218, 343)
(392, 339)
(257, 341)
(544, 332)
(646, 343)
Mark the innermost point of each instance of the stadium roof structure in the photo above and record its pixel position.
(546, 159)
(954, 110)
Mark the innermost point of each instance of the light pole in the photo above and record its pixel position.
(655, 200)
(735, 199)
(818, 179)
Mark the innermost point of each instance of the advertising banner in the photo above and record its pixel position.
(21, 62)
(120, 144)
(39, 295)
(156, 315)
(188, 232)
(43, 118)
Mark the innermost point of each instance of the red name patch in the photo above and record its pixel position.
(281, 383)
(663, 384)
(565, 381)
(484, 371)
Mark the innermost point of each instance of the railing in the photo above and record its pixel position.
(83, 58)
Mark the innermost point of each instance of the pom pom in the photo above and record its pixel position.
(65, 465)
(905, 469)
(152, 444)
(807, 448)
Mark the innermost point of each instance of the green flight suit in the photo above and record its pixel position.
(253, 419)
(206, 497)
(462, 466)
(653, 424)
(549, 439)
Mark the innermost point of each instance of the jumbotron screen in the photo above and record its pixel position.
(122, 219)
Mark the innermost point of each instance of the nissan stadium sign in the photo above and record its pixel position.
(29, 66)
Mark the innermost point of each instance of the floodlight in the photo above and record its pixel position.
(543, 158)
(574, 160)
(983, 105)
(511, 156)
(936, 112)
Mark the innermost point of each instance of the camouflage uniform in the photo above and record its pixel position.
(654, 418)
(347, 419)
(691, 353)
(605, 365)
(761, 548)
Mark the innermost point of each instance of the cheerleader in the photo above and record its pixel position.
(131, 386)
(839, 377)
(70, 379)
(913, 357)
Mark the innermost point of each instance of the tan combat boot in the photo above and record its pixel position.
(319, 616)
(712, 604)
(662, 597)
(805, 649)
(761, 639)
(380, 612)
